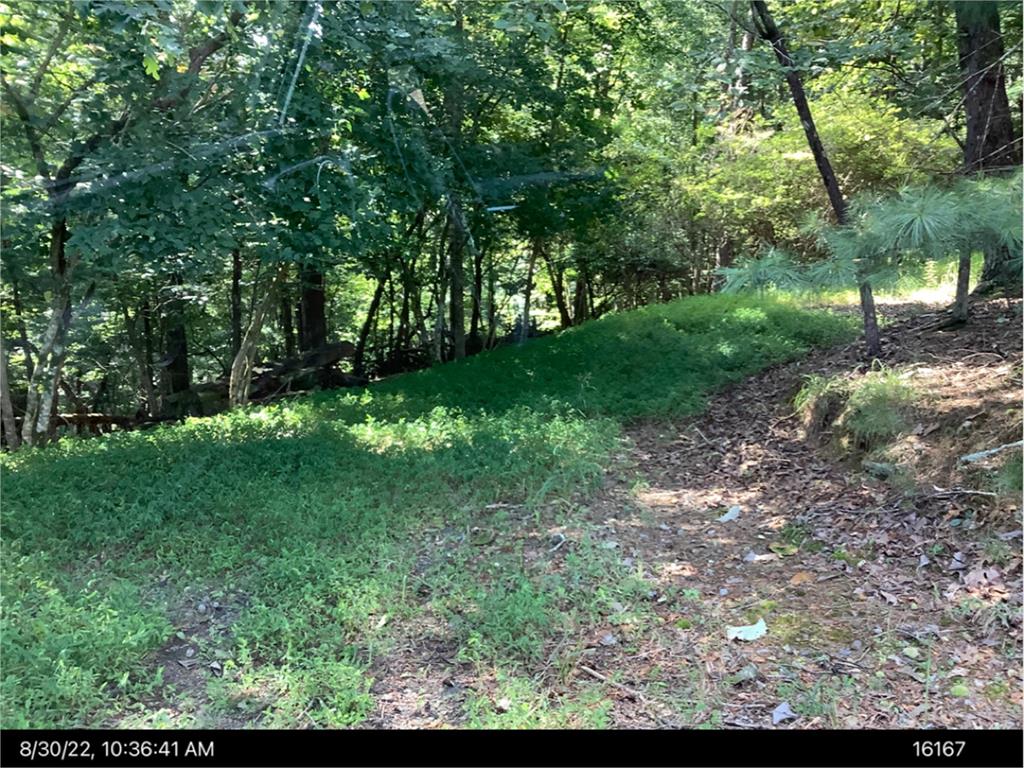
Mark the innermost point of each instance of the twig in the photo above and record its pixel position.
(703, 437)
(951, 492)
(972, 457)
(604, 679)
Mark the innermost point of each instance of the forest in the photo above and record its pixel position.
(511, 363)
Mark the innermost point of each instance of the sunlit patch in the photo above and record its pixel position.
(658, 498)
(677, 570)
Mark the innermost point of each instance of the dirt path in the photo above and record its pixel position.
(884, 608)
(865, 590)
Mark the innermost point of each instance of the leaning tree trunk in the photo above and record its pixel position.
(242, 365)
(359, 359)
(769, 32)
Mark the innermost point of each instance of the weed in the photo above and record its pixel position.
(517, 704)
(1009, 478)
(878, 409)
(822, 699)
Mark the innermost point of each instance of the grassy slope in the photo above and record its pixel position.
(302, 515)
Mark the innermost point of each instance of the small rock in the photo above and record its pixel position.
(190, 653)
(665, 527)
(609, 639)
(503, 705)
(723, 592)
(627, 561)
(201, 607)
(610, 545)
(617, 607)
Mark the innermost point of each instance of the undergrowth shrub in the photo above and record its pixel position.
(863, 413)
(878, 409)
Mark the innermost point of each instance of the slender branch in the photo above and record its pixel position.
(62, 31)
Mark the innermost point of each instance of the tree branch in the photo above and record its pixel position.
(62, 31)
(21, 109)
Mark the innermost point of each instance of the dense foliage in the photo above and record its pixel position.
(192, 189)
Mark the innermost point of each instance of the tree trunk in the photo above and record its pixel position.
(141, 360)
(242, 365)
(557, 276)
(22, 331)
(178, 371)
(963, 281)
(535, 250)
(236, 301)
(7, 405)
(457, 285)
(581, 298)
(474, 342)
(992, 143)
(492, 320)
(286, 319)
(769, 32)
(867, 306)
(313, 307)
(359, 359)
(439, 346)
(46, 374)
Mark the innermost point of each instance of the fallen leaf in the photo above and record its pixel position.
(748, 632)
(783, 550)
(800, 577)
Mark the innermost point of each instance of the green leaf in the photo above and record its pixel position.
(152, 67)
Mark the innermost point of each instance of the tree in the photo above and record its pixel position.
(993, 144)
(769, 32)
